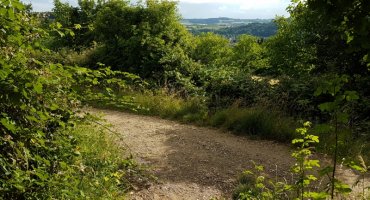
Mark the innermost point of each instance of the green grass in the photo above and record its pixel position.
(258, 122)
(158, 103)
(172, 107)
(101, 160)
(100, 171)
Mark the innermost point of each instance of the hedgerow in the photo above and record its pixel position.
(40, 155)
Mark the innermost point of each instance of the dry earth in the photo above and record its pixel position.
(193, 162)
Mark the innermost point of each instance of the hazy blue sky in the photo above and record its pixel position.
(208, 8)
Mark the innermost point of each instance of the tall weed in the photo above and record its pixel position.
(160, 103)
(256, 121)
(100, 171)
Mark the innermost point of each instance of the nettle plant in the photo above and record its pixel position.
(306, 171)
(307, 175)
(339, 109)
(304, 184)
(304, 165)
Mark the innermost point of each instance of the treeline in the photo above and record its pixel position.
(222, 20)
(262, 30)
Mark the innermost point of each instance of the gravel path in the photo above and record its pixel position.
(193, 162)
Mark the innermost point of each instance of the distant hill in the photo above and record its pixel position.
(232, 28)
(223, 20)
(257, 29)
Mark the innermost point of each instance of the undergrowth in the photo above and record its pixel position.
(309, 179)
(258, 121)
(170, 106)
(99, 171)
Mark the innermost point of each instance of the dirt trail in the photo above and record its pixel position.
(193, 162)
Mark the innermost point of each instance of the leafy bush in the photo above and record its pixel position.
(40, 156)
(35, 109)
(223, 86)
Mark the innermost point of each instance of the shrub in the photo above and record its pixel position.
(40, 156)
(260, 122)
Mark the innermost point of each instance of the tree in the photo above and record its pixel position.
(212, 50)
(249, 54)
(142, 39)
(80, 19)
(321, 37)
(291, 51)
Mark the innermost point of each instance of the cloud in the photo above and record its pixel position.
(207, 8)
(223, 7)
(46, 5)
(233, 8)
(243, 4)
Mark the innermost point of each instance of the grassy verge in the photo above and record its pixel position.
(171, 107)
(99, 171)
(258, 122)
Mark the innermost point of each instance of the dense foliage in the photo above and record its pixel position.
(315, 67)
(281, 72)
(40, 146)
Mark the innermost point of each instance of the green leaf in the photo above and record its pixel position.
(54, 106)
(63, 165)
(311, 177)
(8, 125)
(356, 167)
(18, 5)
(326, 170)
(312, 163)
(307, 124)
(61, 34)
(71, 33)
(37, 87)
(296, 141)
(32, 118)
(317, 195)
(42, 175)
(77, 26)
(342, 187)
(328, 106)
(59, 25)
(315, 138)
(351, 95)
(19, 187)
(11, 14)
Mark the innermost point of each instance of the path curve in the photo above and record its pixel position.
(193, 162)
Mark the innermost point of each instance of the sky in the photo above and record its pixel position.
(242, 9)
